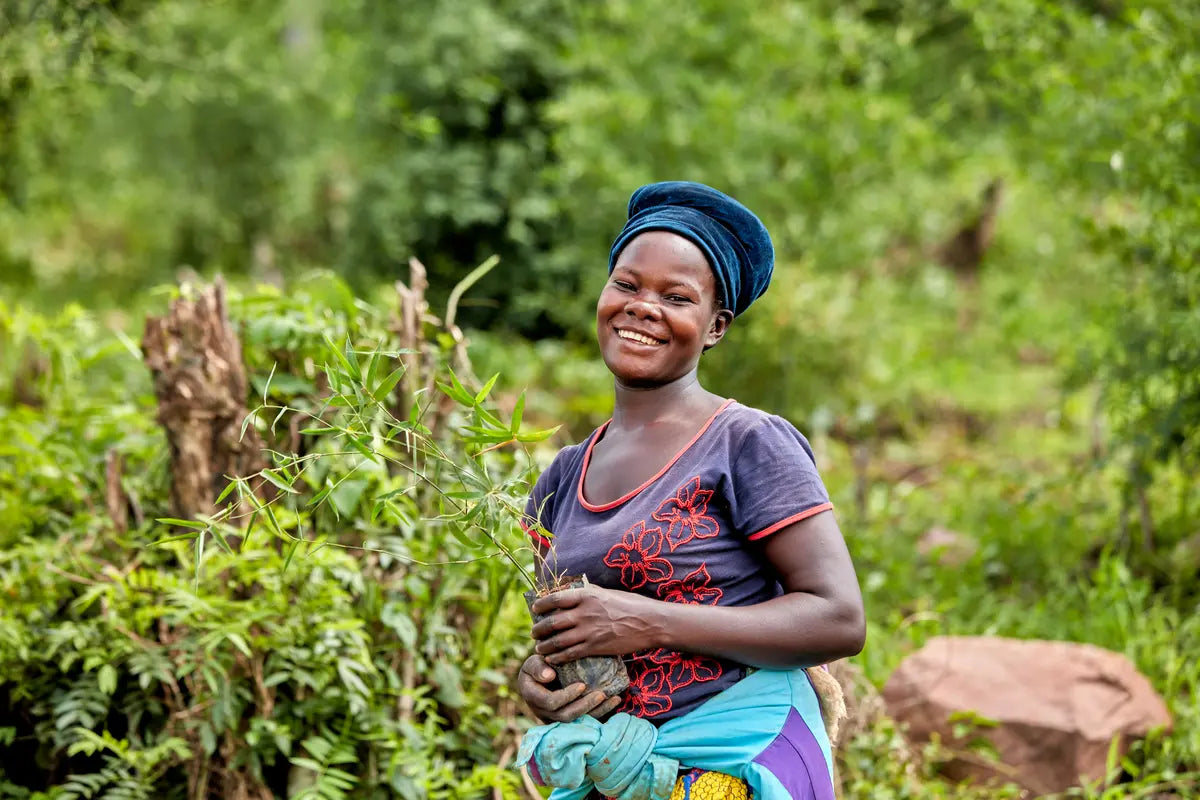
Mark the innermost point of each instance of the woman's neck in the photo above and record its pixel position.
(637, 407)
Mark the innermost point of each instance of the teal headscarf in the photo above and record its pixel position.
(735, 242)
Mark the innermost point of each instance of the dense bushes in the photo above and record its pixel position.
(264, 660)
(144, 664)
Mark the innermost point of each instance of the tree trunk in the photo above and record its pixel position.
(200, 383)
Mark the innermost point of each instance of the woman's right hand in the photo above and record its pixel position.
(559, 705)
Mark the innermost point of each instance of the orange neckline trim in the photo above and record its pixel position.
(587, 459)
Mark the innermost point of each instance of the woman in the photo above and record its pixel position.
(702, 524)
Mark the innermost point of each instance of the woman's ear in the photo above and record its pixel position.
(716, 331)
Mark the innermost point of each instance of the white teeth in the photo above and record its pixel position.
(636, 337)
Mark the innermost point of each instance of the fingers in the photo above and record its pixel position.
(558, 621)
(536, 667)
(563, 652)
(567, 598)
(607, 707)
(589, 703)
(560, 642)
(561, 705)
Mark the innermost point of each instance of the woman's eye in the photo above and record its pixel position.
(676, 298)
(624, 285)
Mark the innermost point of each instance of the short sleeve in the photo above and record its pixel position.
(539, 508)
(775, 480)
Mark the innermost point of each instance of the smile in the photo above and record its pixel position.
(637, 337)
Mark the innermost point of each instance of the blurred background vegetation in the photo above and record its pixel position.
(986, 315)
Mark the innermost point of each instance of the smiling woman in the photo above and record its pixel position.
(715, 565)
(659, 310)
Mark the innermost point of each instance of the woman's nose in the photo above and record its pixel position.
(641, 307)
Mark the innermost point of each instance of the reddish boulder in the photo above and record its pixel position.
(1056, 706)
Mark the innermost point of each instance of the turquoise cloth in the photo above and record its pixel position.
(746, 731)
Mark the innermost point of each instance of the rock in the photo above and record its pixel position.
(949, 548)
(1056, 706)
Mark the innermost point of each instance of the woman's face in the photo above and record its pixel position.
(658, 311)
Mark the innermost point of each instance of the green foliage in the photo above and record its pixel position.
(1034, 406)
(354, 640)
(140, 138)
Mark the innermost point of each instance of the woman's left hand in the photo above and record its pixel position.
(592, 621)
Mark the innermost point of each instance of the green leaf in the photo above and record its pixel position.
(348, 369)
(225, 492)
(277, 482)
(458, 532)
(448, 680)
(106, 679)
(240, 643)
(387, 384)
(537, 436)
(220, 537)
(360, 443)
(517, 415)
(345, 496)
(486, 390)
(490, 418)
(183, 523)
(249, 530)
(372, 368)
(267, 386)
(398, 617)
(199, 557)
(320, 496)
(181, 538)
(290, 555)
(456, 393)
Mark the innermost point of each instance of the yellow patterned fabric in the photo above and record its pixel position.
(698, 785)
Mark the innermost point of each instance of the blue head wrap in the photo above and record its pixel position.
(734, 241)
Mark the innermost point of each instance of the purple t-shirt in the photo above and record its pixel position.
(687, 535)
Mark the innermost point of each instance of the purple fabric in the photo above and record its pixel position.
(797, 761)
(688, 535)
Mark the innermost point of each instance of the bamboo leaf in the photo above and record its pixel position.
(183, 523)
(249, 530)
(459, 533)
(517, 415)
(220, 537)
(180, 538)
(348, 370)
(462, 390)
(537, 436)
(486, 390)
(490, 418)
(290, 554)
(226, 491)
(372, 368)
(199, 556)
(277, 482)
(387, 384)
(359, 443)
(267, 386)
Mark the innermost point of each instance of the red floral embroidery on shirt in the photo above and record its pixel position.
(647, 693)
(692, 590)
(683, 669)
(686, 515)
(636, 555)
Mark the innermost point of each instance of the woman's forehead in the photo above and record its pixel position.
(663, 251)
